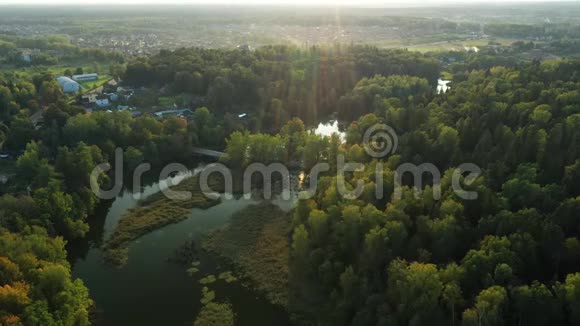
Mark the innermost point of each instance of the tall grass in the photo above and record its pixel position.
(256, 241)
(153, 213)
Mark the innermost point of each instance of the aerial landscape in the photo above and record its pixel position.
(252, 162)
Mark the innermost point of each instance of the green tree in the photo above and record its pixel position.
(237, 147)
(318, 222)
(536, 305)
(488, 308)
(572, 297)
(301, 244)
(414, 289)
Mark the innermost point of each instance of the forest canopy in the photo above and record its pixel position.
(509, 257)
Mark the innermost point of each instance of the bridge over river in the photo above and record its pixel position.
(215, 154)
(209, 152)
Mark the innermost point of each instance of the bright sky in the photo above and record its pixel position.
(365, 3)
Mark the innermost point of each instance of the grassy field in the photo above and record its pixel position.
(443, 42)
(90, 85)
(179, 100)
(446, 75)
(256, 241)
(153, 213)
(168, 101)
(57, 70)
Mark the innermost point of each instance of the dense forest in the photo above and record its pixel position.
(275, 83)
(509, 257)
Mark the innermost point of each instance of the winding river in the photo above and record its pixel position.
(150, 290)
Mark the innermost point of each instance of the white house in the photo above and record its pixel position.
(68, 85)
(85, 77)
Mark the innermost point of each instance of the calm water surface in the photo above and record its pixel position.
(149, 290)
(442, 86)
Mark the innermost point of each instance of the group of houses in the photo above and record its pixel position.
(108, 99)
(103, 100)
(100, 98)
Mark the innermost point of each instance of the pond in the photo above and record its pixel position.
(150, 290)
(329, 128)
(442, 86)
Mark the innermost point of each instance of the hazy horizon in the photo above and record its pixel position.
(322, 3)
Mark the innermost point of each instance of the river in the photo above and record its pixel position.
(150, 290)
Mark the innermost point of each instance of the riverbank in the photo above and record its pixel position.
(150, 281)
(256, 242)
(153, 213)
